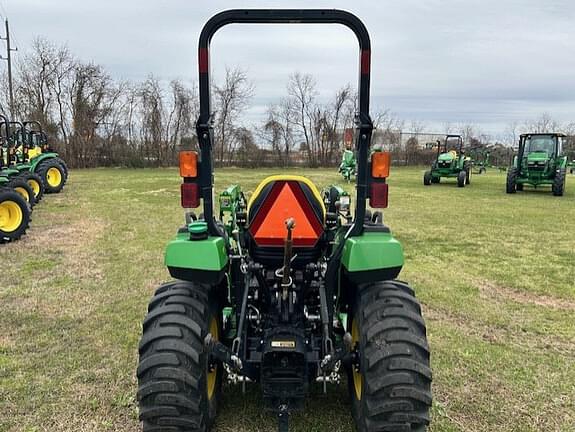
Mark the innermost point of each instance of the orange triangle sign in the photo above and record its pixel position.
(273, 231)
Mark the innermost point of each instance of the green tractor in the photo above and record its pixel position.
(28, 185)
(16, 195)
(450, 162)
(479, 159)
(539, 161)
(285, 290)
(347, 167)
(34, 155)
(14, 213)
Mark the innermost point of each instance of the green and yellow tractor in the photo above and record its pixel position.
(28, 185)
(539, 162)
(450, 162)
(34, 155)
(479, 159)
(16, 195)
(286, 288)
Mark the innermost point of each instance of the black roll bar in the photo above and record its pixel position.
(364, 125)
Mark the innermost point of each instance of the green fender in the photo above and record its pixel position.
(372, 256)
(562, 162)
(42, 157)
(197, 260)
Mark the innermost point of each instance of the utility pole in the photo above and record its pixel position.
(8, 58)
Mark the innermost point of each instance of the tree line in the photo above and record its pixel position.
(95, 120)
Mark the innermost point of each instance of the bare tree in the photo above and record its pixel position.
(231, 99)
(302, 92)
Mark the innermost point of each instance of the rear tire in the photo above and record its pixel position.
(176, 390)
(390, 388)
(559, 183)
(21, 186)
(468, 176)
(36, 184)
(53, 175)
(427, 178)
(14, 215)
(511, 186)
(461, 178)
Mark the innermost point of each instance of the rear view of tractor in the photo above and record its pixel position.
(450, 162)
(539, 162)
(291, 287)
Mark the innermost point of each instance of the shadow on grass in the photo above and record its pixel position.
(322, 412)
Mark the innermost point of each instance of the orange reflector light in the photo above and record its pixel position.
(378, 195)
(380, 162)
(188, 164)
(190, 195)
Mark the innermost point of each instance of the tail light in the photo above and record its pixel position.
(378, 194)
(188, 164)
(378, 188)
(190, 195)
(189, 190)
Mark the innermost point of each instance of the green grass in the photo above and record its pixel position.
(495, 273)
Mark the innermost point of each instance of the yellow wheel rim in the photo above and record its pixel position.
(213, 370)
(357, 377)
(54, 177)
(23, 192)
(11, 216)
(35, 186)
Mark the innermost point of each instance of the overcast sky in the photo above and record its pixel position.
(484, 61)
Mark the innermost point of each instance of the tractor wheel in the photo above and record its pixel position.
(559, 183)
(511, 181)
(468, 176)
(53, 175)
(178, 385)
(64, 165)
(435, 180)
(519, 187)
(36, 183)
(482, 170)
(461, 178)
(427, 178)
(14, 215)
(21, 186)
(390, 382)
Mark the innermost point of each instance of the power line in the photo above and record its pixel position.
(8, 58)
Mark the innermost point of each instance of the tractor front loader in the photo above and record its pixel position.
(290, 288)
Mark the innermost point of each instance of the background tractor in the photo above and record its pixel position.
(539, 161)
(34, 155)
(450, 162)
(28, 185)
(479, 159)
(285, 289)
(347, 167)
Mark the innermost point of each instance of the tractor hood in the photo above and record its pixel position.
(446, 157)
(537, 156)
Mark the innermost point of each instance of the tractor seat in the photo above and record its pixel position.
(276, 199)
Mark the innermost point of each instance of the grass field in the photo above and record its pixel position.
(496, 275)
